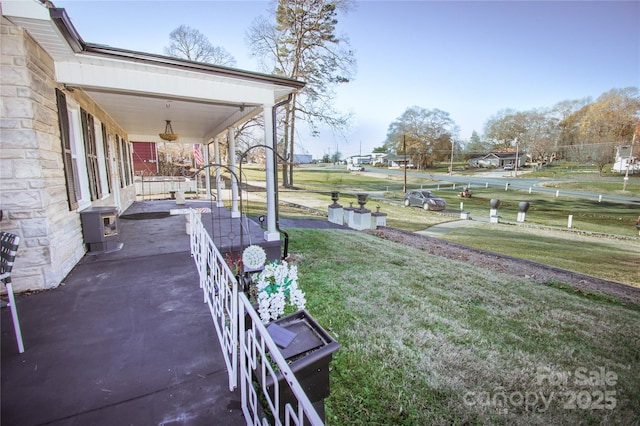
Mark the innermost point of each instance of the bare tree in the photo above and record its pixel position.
(538, 140)
(191, 44)
(302, 44)
(504, 127)
(425, 134)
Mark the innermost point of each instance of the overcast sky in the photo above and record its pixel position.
(468, 58)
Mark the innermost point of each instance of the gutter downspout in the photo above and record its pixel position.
(275, 173)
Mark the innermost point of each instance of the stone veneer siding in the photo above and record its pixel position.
(33, 194)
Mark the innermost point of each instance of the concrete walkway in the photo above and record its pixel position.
(446, 227)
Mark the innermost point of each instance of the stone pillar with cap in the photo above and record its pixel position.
(336, 212)
(361, 216)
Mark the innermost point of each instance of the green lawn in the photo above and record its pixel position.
(431, 341)
(612, 259)
(547, 210)
(426, 340)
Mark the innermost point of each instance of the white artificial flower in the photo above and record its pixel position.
(253, 257)
(277, 285)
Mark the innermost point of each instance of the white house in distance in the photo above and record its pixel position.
(497, 159)
(626, 159)
(70, 110)
(359, 159)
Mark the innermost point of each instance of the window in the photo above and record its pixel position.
(129, 165)
(73, 152)
(102, 150)
(119, 156)
(70, 173)
(91, 153)
(126, 176)
(79, 159)
(108, 155)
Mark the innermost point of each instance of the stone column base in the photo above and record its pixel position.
(361, 220)
(336, 215)
(378, 219)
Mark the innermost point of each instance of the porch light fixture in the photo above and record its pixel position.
(168, 134)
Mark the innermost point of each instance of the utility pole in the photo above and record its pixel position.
(517, 151)
(404, 148)
(451, 165)
(626, 176)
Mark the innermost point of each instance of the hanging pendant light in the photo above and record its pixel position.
(168, 134)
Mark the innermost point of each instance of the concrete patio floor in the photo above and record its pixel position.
(126, 340)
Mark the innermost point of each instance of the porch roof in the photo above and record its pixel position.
(141, 90)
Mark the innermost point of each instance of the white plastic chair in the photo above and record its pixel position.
(8, 249)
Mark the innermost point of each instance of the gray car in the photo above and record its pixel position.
(425, 199)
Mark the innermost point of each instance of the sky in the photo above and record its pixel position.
(470, 59)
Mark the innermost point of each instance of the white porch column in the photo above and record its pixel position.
(271, 234)
(207, 172)
(216, 154)
(232, 165)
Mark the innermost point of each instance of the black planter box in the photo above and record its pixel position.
(308, 356)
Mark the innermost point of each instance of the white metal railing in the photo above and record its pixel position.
(262, 366)
(149, 187)
(220, 290)
(262, 363)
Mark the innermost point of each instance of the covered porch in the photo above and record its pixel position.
(128, 338)
(128, 335)
(98, 100)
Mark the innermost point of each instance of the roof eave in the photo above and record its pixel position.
(65, 26)
(72, 37)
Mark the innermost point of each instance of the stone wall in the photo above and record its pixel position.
(33, 194)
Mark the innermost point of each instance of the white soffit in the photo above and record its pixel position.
(34, 17)
(127, 76)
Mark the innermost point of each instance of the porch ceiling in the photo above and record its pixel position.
(143, 116)
(140, 90)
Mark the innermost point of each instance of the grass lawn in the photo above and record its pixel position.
(431, 341)
(612, 259)
(547, 210)
(607, 258)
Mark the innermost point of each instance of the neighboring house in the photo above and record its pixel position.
(398, 161)
(70, 110)
(145, 158)
(379, 158)
(626, 159)
(497, 159)
(474, 159)
(359, 159)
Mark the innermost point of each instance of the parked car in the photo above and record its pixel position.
(355, 168)
(425, 199)
(509, 166)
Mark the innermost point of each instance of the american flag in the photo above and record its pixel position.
(197, 154)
